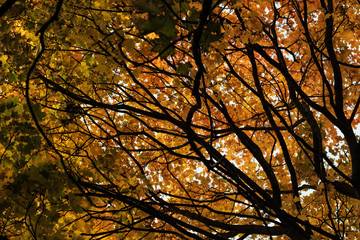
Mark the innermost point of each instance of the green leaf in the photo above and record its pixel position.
(163, 26)
(168, 28)
(184, 68)
(37, 110)
(11, 77)
(211, 33)
(163, 47)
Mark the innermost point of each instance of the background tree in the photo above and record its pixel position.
(203, 120)
(37, 199)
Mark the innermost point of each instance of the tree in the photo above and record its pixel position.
(37, 199)
(202, 120)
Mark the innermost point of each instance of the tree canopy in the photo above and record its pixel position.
(179, 119)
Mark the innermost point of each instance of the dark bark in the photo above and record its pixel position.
(6, 7)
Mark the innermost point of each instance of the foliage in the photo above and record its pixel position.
(176, 119)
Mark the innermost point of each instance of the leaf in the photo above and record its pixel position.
(163, 26)
(37, 110)
(183, 68)
(211, 34)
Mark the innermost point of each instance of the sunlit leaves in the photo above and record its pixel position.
(173, 121)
